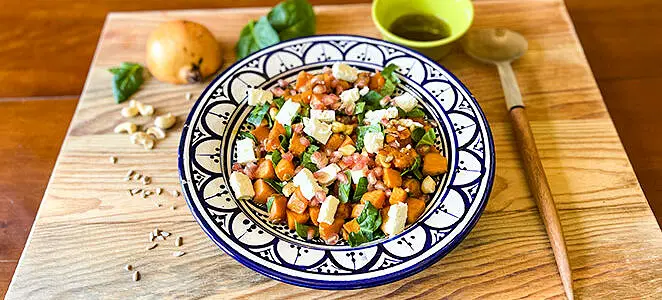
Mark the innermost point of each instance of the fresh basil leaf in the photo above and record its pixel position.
(344, 189)
(304, 111)
(255, 36)
(415, 113)
(127, 79)
(275, 157)
(278, 186)
(428, 138)
(292, 18)
(361, 188)
(359, 108)
(257, 114)
(417, 134)
(371, 100)
(362, 130)
(389, 73)
(370, 218)
(249, 135)
(270, 203)
(388, 88)
(288, 131)
(413, 167)
(361, 237)
(284, 142)
(279, 102)
(306, 158)
(304, 230)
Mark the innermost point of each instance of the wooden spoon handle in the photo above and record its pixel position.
(542, 194)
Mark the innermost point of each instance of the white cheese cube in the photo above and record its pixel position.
(397, 217)
(364, 91)
(288, 189)
(287, 112)
(245, 151)
(428, 185)
(241, 186)
(318, 130)
(357, 175)
(323, 115)
(344, 72)
(259, 96)
(349, 97)
(328, 210)
(376, 116)
(373, 141)
(391, 113)
(327, 175)
(406, 102)
(307, 183)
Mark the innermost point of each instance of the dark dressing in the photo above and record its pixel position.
(420, 27)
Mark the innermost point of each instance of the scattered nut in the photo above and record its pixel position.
(136, 191)
(127, 127)
(146, 180)
(165, 121)
(133, 103)
(112, 159)
(173, 207)
(152, 246)
(136, 276)
(148, 144)
(428, 185)
(188, 96)
(156, 132)
(151, 236)
(179, 241)
(174, 193)
(145, 109)
(165, 233)
(130, 192)
(130, 173)
(138, 138)
(129, 112)
(178, 253)
(158, 191)
(128, 267)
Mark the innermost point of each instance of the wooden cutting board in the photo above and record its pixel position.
(88, 227)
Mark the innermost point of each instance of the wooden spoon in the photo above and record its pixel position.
(500, 47)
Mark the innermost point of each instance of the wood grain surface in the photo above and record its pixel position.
(88, 227)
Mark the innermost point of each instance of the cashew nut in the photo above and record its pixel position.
(127, 127)
(156, 132)
(129, 112)
(148, 144)
(428, 185)
(165, 121)
(145, 109)
(138, 138)
(133, 103)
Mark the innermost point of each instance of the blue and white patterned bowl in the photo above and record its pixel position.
(240, 228)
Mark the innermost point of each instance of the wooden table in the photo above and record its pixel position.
(88, 228)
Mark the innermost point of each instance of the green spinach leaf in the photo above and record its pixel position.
(428, 138)
(292, 18)
(306, 232)
(359, 108)
(305, 158)
(361, 188)
(414, 168)
(284, 142)
(415, 113)
(369, 221)
(389, 73)
(275, 157)
(278, 186)
(257, 114)
(255, 36)
(371, 100)
(417, 134)
(279, 102)
(270, 202)
(344, 189)
(388, 88)
(362, 130)
(127, 79)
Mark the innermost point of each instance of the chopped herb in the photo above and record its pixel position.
(279, 102)
(278, 186)
(284, 142)
(371, 100)
(417, 134)
(257, 114)
(388, 88)
(306, 158)
(288, 131)
(249, 135)
(344, 189)
(362, 130)
(369, 221)
(389, 73)
(270, 202)
(127, 79)
(275, 157)
(428, 138)
(414, 168)
(415, 113)
(306, 232)
(359, 108)
(361, 188)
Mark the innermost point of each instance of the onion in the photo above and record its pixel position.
(182, 52)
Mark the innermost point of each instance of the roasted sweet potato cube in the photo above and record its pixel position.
(296, 146)
(261, 132)
(262, 191)
(392, 178)
(277, 213)
(415, 208)
(398, 194)
(412, 186)
(285, 169)
(356, 210)
(293, 218)
(328, 231)
(384, 213)
(314, 212)
(335, 141)
(265, 169)
(343, 211)
(434, 164)
(376, 198)
(348, 141)
(352, 226)
(377, 81)
(302, 80)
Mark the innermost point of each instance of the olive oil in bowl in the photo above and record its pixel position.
(420, 27)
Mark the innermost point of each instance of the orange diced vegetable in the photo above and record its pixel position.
(261, 132)
(335, 141)
(377, 81)
(384, 213)
(348, 141)
(296, 147)
(285, 169)
(297, 204)
(343, 211)
(392, 178)
(376, 198)
(356, 210)
(302, 80)
(414, 187)
(314, 212)
(352, 226)
(434, 164)
(415, 208)
(273, 141)
(327, 231)
(265, 169)
(398, 194)
(262, 191)
(277, 213)
(293, 218)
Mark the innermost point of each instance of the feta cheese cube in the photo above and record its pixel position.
(318, 130)
(328, 210)
(327, 175)
(364, 91)
(373, 141)
(406, 102)
(357, 174)
(241, 186)
(259, 96)
(376, 116)
(397, 217)
(245, 151)
(344, 72)
(323, 115)
(307, 183)
(287, 112)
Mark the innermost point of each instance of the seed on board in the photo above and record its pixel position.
(178, 253)
(128, 267)
(130, 173)
(112, 159)
(179, 241)
(152, 246)
(151, 236)
(146, 180)
(157, 204)
(174, 193)
(126, 178)
(136, 191)
(165, 233)
(156, 232)
(137, 176)
(173, 207)
(130, 192)
(160, 238)
(159, 191)
(188, 96)
(136, 276)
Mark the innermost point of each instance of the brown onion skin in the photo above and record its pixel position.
(182, 52)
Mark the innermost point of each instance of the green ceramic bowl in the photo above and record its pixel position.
(458, 15)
